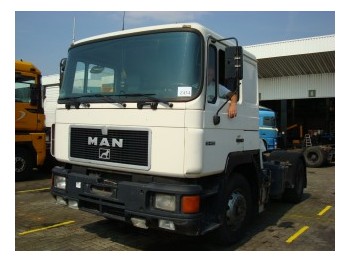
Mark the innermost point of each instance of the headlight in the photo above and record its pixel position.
(165, 202)
(59, 182)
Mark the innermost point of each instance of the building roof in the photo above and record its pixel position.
(314, 55)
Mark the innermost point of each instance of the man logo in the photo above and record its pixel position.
(104, 153)
(104, 142)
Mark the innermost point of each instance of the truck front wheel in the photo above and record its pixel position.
(235, 211)
(24, 163)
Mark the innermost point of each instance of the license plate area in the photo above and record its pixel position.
(103, 191)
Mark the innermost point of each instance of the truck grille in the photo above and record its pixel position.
(128, 147)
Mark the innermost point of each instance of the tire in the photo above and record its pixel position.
(314, 156)
(235, 210)
(24, 163)
(296, 174)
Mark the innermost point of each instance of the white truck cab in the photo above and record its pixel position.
(146, 137)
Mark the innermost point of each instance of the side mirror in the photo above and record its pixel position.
(233, 66)
(62, 68)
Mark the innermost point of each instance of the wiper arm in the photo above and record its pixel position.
(70, 101)
(154, 103)
(108, 98)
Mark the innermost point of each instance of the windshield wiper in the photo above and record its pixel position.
(84, 100)
(70, 101)
(108, 98)
(153, 103)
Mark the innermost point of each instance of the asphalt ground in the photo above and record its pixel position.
(43, 225)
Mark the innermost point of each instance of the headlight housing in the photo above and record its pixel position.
(59, 182)
(165, 202)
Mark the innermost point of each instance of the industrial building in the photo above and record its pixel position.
(296, 80)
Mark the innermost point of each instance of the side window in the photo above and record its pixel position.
(212, 75)
(23, 84)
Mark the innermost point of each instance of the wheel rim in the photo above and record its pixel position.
(312, 157)
(20, 164)
(237, 210)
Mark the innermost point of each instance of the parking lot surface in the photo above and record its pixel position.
(41, 224)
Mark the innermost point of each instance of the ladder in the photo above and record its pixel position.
(307, 140)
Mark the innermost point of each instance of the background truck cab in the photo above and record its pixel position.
(29, 120)
(268, 131)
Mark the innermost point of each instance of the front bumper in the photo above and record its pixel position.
(131, 200)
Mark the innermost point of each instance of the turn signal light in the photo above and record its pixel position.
(190, 204)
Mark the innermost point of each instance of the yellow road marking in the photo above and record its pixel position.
(304, 228)
(34, 190)
(307, 217)
(297, 234)
(324, 210)
(44, 228)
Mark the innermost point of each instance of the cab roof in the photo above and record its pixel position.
(206, 32)
(28, 67)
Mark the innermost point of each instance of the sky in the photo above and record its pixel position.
(43, 37)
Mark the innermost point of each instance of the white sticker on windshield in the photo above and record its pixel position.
(184, 91)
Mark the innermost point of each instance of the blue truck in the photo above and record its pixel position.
(268, 131)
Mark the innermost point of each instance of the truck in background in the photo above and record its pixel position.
(268, 131)
(30, 144)
(50, 92)
(318, 150)
(143, 143)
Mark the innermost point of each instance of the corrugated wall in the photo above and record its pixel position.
(297, 87)
(309, 45)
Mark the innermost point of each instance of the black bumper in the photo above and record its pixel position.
(124, 200)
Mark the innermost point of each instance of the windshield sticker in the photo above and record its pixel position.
(184, 91)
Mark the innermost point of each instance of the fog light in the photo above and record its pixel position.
(59, 182)
(139, 222)
(165, 202)
(60, 200)
(73, 204)
(166, 224)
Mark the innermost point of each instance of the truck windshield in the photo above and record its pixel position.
(23, 85)
(269, 121)
(163, 65)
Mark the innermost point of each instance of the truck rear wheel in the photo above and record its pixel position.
(296, 174)
(296, 193)
(235, 210)
(24, 163)
(314, 156)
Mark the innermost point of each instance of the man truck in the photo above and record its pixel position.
(142, 142)
(29, 120)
